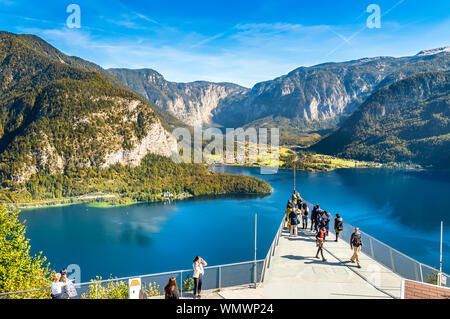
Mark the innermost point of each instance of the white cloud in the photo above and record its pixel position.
(244, 54)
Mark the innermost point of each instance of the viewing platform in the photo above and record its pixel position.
(295, 273)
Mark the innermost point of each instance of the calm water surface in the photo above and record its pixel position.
(403, 209)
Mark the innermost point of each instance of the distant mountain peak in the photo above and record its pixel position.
(434, 51)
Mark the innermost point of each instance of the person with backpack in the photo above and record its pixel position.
(355, 245)
(321, 219)
(338, 226)
(305, 213)
(320, 239)
(326, 222)
(289, 209)
(293, 219)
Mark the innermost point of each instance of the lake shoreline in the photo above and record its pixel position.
(93, 200)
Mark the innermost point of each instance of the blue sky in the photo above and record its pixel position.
(244, 42)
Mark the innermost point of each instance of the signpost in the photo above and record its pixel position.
(134, 288)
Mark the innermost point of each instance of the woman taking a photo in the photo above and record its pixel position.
(57, 286)
(199, 271)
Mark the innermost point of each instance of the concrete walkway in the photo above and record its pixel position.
(295, 273)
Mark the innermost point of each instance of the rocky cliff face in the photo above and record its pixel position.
(310, 98)
(408, 120)
(319, 96)
(59, 112)
(193, 103)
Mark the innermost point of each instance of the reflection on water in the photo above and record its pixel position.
(396, 207)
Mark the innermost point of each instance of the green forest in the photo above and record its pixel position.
(407, 121)
(144, 183)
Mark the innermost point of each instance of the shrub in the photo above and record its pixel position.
(188, 284)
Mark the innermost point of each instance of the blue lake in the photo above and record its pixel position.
(402, 209)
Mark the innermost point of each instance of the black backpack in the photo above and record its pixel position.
(356, 240)
(320, 220)
(339, 225)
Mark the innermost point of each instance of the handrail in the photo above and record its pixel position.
(277, 235)
(140, 276)
(271, 251)
(392, 250)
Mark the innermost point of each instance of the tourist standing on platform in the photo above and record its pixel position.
(295, 199)
(320, 239)
(199, 271)
(57, 286)
(69, 290)
(355, 245)
(305, 213)
(326, 220)
(293, 219)
(321, 219)
(171, 289)
(338, 226)
(299, 199)
(289, 209)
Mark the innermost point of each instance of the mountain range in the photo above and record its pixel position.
(307, 99)
(59, 112)
(406, 121)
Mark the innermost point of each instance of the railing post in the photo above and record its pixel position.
(270, 256)
(415, 271)
(371, 248)
(392, 259)
(181, 283)
(279, 235)
(421, 273)
(220, 277)
(263, 271)
(254, 273)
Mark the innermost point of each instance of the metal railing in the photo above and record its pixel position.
(394, 260)
(215, 277)
(271, 251)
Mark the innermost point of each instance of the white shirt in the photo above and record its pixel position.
(56, 287)
(198, 268)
